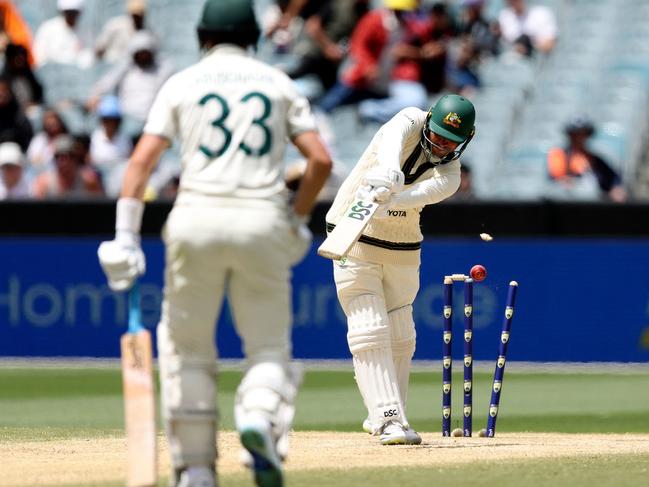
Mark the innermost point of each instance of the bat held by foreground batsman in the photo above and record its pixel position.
(139, 397)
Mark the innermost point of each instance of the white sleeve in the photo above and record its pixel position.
(393, 134)
(299, 117)
(39, 47)
(547, 24)
(443, 184)
(162, 119)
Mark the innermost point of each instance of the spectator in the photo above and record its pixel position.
(473, 25)
(41, 149)
(439, 29)
(13, 29)
(462, 76)
(13, 184)
(537, 22)
(113, 43)
(137, 81)
(81, 148)
(325, 44)
(109, 147)
(576, 162)
(58, 40)
(18, 72)
(381, 63)
(69, 178)
(14, 125)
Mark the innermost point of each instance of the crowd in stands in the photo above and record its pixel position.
(379, 56)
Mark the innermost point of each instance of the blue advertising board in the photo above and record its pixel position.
(579, 300)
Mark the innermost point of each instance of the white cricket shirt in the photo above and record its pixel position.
(233, 115)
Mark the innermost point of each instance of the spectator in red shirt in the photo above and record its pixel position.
(380, 65)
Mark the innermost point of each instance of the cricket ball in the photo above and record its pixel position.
(478, 273)
(457, 433)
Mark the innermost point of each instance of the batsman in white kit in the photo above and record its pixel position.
(232, 230)
(412, 161)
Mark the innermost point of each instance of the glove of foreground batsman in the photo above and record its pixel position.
(122, 260)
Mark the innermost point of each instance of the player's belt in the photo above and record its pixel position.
(384, 244)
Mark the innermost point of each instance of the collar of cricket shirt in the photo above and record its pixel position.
(227, 49)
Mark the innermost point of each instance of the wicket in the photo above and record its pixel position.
(447, 360)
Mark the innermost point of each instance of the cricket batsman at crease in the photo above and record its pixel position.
(412, 161)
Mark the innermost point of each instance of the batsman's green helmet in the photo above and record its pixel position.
(452, 117)
(228, 16)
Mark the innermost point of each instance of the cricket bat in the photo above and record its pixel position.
(139, 397)
(348, 230)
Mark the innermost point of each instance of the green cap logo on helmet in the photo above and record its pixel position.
(452, 117)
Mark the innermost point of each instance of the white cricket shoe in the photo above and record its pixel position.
(367, 426)
(394, 433)
(197, 477)
(257, 438)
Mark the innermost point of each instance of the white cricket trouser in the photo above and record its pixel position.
(377, 300)
(242, 248)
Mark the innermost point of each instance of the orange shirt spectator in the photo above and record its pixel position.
(15, 28)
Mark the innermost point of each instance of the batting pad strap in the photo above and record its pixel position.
(367, 324)
(361, 340)
(128, 217)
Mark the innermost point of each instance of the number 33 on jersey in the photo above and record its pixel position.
(235, 128)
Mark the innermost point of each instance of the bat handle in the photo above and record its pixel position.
(134, 309)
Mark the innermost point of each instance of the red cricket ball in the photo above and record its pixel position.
(478, 273)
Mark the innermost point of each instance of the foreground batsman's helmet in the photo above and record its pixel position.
(229, 18)
(452, 117)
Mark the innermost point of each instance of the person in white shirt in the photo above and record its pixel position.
(58, 40)
(537, 22)
(13, 184)
(138, 80)
(232, 230)
(114, 39)
(412, 161)
(110, 148)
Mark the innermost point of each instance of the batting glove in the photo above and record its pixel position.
(381, 177)
(122, 261)
(368, 193)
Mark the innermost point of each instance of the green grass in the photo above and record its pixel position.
(57, 402)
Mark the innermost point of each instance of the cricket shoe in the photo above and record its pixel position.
(197, 477)
(367, 426)
(257, 438)
(395, 433)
